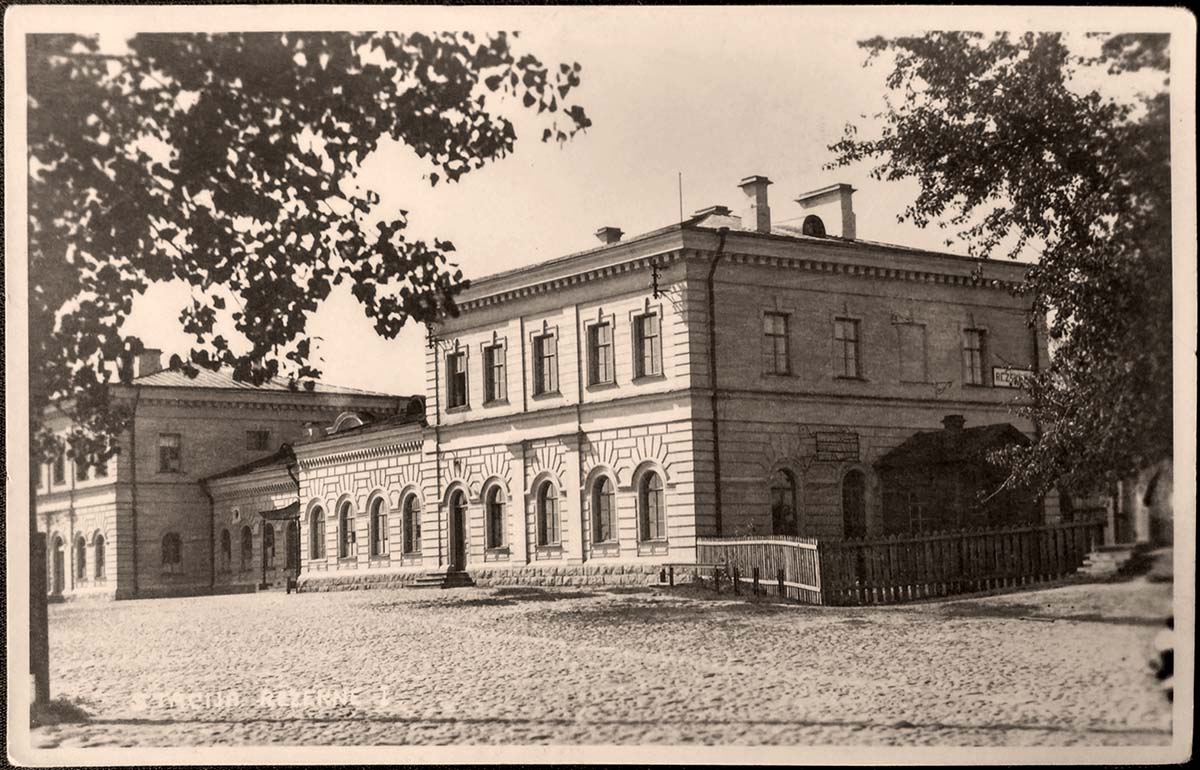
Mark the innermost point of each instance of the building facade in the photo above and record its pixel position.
(590, 417)
(139, 526)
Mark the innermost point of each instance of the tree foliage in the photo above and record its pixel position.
(228, 161)
(1012, 152)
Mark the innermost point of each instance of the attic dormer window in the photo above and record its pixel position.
(813, 226)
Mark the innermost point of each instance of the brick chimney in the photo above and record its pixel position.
(757, 212)
(147, 362)
(953, 422)
(609, 235)
(833, 208)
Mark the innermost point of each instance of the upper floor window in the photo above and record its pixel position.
(846, 353)
(776, 358)
(652, 513)
(81, 469)
(456, 379)
(911, 339)
(58, 470)
(494, 377)
(647, 345)
(170, 458)
(975, 356)
(600, 354)
(172, 552)
(258, 440)
(545, 364)
(102, 469)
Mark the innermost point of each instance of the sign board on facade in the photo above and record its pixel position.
(1007, 377)
(836, 446)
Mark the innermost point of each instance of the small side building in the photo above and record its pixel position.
(945, 479)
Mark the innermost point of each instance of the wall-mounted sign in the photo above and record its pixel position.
(836, 446)
(1007, 377)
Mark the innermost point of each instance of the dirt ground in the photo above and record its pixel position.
(1056, 666)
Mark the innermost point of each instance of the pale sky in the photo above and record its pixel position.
(717, 94)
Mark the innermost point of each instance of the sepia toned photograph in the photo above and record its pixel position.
(603, 385)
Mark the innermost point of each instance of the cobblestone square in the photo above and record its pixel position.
(1058, 666)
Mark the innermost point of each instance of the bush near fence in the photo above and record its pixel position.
(905, 567)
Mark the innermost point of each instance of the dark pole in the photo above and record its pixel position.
(712, 375)
(39, 622)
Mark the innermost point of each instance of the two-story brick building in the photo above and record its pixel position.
(148, 494)
(593, 415)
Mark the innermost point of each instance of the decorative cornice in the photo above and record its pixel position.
(369, 453)
(234, 491)
(241, 404)
(562, 282)
(802, 263)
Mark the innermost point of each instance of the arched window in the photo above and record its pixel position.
(316, 533)
(346, 531)
(379, 527)
(652, 515)
(98, 545)
(412, 524)
(268, 538)
(604, 511)
(547, 514)
(813, 225)
(80, 558)
(226, 550)
(247, 547)
(172, 552)
(494, 510)
(783, 503)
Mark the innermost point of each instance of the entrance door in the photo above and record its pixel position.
(59, 570)
(854, 509)
(293, 546)
(458, 533)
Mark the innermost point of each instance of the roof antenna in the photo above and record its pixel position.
(680, 196)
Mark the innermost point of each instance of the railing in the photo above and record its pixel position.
(903, 568)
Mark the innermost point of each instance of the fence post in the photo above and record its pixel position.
(717, 579)
(754, 575)
(735, 576)
(671, 575)
(782, 587)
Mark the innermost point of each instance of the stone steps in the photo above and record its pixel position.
(1109, 560)
(443, 579)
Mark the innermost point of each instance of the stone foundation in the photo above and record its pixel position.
(356, 582)
(568, 575)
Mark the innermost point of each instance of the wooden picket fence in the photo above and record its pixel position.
(902, 568)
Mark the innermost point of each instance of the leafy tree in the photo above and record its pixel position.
(1013, 152)
(228, 161)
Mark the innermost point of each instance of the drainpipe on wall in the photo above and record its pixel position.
(293, 467)
(579, 433)
(712, 373)
(133, 508)
(212, 534)
(437, 441)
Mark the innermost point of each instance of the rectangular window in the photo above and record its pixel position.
(170, 458)
(918, 513)
(912, 352)
(58, 470)
(647, 343)
(258, 440)
(456, 380)
(845, 338)
(495, 385)
(776, 359)
(102, 469)
(545, 364)
(975, 356)
(600, 354)
(81, 470)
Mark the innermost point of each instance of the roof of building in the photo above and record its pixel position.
(223, 380)
(370, 425)
(938, 447)
(281, 457)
